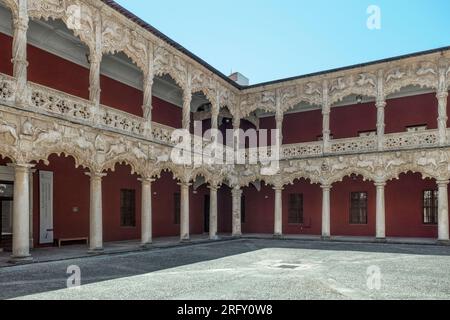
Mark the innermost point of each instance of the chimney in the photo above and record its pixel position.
(240, 79)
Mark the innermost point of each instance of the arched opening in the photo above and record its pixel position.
(411, 109)
(353, 207)
(57, 58)
(121, 84)
(302, 208)
(411, 207)
(60, 201)
(201, 109)
(121, 204)
(167, 101)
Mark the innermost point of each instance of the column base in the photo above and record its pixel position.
(96, 251)
(20, 259)
(214, 238)
(185, 240)
(325, 238)
(443, 242)
(146, 245)
(380, 240)
(278, 236)
(237, 236)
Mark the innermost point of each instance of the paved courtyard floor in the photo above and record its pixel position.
(244, 269)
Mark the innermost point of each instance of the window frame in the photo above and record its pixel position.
(435, 197)
(128, 222)
(351, 208)
(300, 214)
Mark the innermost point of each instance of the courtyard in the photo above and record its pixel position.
(243, 269)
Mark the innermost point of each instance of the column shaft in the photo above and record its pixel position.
(146, 207)
(19, 52)
(237, 220)
(443, 220)
(442, 119)
(381, 105)
(21, 212)
(326, 225)
(213, 213)
(278, 225)
(184, 213)
(380, 211)
(96, 212)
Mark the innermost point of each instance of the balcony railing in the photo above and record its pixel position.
(48, 101)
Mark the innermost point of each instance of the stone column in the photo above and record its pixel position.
(381, 105)
(278, 225)
(147, 104)
(443, 221)
(213, 212)
(380, 211)
(19, 52)
(146, 211)
(326, 110)
(21, 212)
(96, 212)
(326, 224)
(184, 212)
(186, 123)
(442, 119)
(237, 220)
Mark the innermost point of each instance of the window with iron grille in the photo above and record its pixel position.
(177, 207)
(430, 206)
(127, 208)
(358, 208)
(295, 208)
(242, 209)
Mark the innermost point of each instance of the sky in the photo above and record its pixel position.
(274, 39)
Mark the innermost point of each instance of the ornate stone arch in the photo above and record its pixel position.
(12, 5)
(423, 74)
(361, 84)
(78, 16)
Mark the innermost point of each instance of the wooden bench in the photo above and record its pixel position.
(59, 241)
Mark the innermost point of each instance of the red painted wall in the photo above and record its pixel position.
(120, 96)
(348, 121)
(259, 208)
(340, 208)
(302, 127)
(166, 113)
(112, 183)
(71, 189)
(312, 208)
(6, 65)
(404, 216)
(411, 111)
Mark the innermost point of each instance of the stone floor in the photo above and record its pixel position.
(244, 269)
(81, 251)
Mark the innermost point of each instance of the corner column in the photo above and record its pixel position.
(146, 211)
(96, 212)
(278, 222)
(380, 211)
(21, 212)
(237, 220)
(184, 212)
(213, 212)
(326, 224)
(443, 220)
(19, 52)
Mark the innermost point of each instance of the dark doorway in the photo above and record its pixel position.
(6, 210)
(206, 214)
